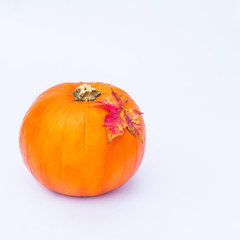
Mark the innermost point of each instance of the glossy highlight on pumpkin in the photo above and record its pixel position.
(65, 146)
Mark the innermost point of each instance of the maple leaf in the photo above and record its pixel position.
(120, 118)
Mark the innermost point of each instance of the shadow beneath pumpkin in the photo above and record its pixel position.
(126, 189)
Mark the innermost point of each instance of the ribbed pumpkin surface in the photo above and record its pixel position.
(64, 143)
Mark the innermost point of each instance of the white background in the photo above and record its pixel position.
(180, 61)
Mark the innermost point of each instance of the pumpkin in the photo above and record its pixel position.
(83, 139)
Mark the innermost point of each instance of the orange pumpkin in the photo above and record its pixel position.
(64, 142)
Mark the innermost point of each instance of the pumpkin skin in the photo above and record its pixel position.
(64, 144)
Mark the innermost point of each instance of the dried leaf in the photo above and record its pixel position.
(120, 118)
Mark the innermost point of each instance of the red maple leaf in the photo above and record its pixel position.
(120, 118)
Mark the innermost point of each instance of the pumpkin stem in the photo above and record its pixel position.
(86, 92)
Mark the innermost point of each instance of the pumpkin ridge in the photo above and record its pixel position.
(31, 113)
(54, 120)
(62, 159)
(84, 140)
(106, 160)
(120, 180)
(135, 160)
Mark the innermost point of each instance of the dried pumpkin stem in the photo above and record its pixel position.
(86, 92)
